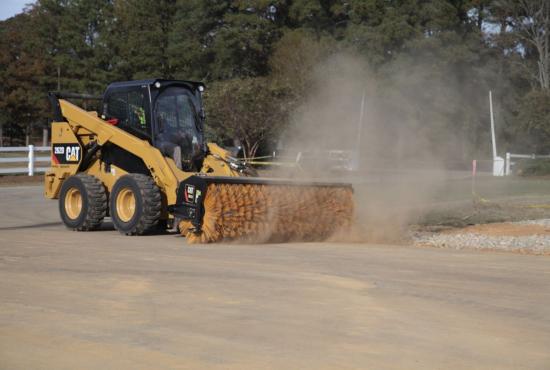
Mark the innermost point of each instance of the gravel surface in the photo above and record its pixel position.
(544, 222)
(465, 239)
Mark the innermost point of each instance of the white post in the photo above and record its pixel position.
(474, 172)
(493, 139)
(508, 164)
(355, 164)
(498, 162)
(498, 166)
(31, 160)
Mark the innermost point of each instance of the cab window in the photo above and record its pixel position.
(128, 108)
(176, 113)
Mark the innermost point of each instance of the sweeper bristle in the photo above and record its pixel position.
(271, 213)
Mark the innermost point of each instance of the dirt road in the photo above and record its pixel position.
(100, 300)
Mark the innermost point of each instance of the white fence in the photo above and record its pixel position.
(30, 159)
(510, 156)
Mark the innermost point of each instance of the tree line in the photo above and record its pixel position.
(256, 57)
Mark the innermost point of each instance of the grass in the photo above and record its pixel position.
(451, 202)
(498, 187)
(457, 189)
(495, 200)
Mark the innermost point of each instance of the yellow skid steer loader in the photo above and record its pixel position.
(143, 161)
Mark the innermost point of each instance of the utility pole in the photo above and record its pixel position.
(357, 153)
(45, 135)
(498, 162)
(493, 139)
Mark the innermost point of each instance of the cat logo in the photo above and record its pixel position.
(72, 153)
(66, 153)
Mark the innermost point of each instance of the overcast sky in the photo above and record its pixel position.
(9, 8)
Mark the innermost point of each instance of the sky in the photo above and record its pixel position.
(9, 8)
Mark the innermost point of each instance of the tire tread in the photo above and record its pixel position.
(152, 204)
(97, 202)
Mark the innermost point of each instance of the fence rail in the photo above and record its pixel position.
(30, 159)
(511, 156)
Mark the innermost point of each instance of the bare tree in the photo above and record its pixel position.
(251, 111)
(530, 20)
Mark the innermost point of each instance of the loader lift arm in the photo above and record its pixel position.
(89, 128)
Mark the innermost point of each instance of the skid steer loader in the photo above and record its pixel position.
(143, 161)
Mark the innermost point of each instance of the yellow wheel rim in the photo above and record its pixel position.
(125, 204)
(73, 203)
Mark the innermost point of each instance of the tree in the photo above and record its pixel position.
(437, 57)
(190, 50)
(524, 44)
(217, 40)
(532, 23)
(21, 68)
(533, 128)
(525, 30)
(140, 38)
(295, 56)
(252, 111)
(74, 36)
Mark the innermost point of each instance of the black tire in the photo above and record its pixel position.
(147, 207)
(93, 202)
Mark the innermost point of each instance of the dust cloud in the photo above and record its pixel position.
(385, 131)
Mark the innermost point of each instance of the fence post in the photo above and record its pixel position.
(45, 136)
(508, 164)
(498, 166)
(31, 160)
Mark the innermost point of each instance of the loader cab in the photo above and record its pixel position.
(167, 113)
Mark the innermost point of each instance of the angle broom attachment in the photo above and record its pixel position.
(261, 210)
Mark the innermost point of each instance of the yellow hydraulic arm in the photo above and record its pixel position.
(86, 127)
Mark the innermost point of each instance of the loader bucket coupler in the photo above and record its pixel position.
(215, 208)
